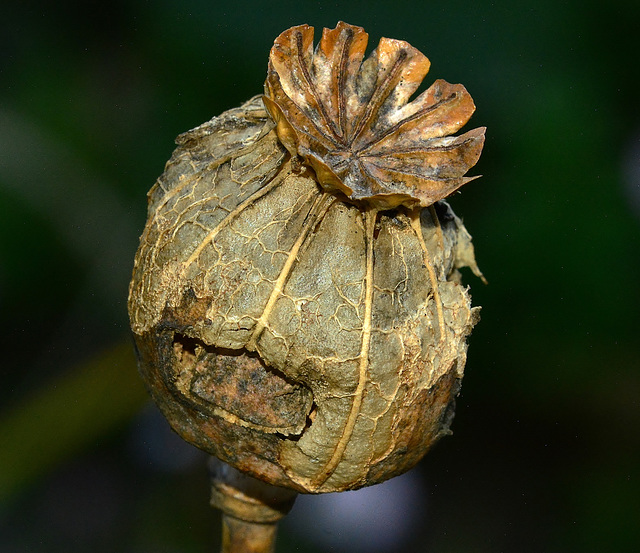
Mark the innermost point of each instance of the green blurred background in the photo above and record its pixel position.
(546, 451)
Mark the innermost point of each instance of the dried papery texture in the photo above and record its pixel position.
(353, 123)
(294, 334)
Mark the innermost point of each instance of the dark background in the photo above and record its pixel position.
(545, 455)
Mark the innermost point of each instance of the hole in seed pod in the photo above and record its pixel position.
(444, 212)
(238, 386)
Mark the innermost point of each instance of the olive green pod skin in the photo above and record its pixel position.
(308, 340)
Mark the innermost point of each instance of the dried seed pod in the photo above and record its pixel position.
(304, 322)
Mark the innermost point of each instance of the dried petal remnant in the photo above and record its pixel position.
(351, 122)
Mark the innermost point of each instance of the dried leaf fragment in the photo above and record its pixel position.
(353, 123)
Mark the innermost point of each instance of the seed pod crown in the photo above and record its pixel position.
(351, 120)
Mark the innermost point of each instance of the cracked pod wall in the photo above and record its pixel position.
(296, 301)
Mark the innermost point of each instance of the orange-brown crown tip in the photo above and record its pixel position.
(352, 122)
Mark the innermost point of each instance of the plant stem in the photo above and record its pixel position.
(251, 509)
(247, 537)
